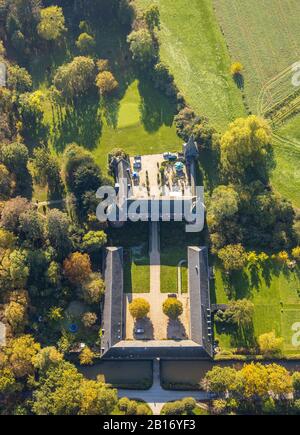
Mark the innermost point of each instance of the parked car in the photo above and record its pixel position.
(139, 331)
(172, 295)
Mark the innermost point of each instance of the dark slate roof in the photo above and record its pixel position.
(166, 349)
(190, 149)
(123, 167)
(112, 318)
(200, 314)
(113, 344)
(167, 209)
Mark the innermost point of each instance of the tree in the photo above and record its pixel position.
(152, 16)
(269, 345)
(93, 241)
(296, 383)
(52, 23)
(189, 404)
(31, 226)
(81, 174)
(236, 68)
(8, 384)
(89, 319)
(93, 289)
(97, 398)
(86, 356)
(58, 391)
(57, 229)
(246, 153)
(280, 381)
(16, 315)
(18, 79)
(172, 308)
(254, 381)
(77, 268)
(75, 78)
(233, 257)
(32, 126)
(142, 47)
(173, 408)
(106, 83)
(21, 352)
(15, 157)
(129, 407)
(54, 274)
(47, 171)
(18, 269)
(296, 253)
(46, 358)
(12, 210)
(240, 312)
(139, 308)
(220, 380)
(56, 314)
(85, 43)
(223, 205)
(6, 183)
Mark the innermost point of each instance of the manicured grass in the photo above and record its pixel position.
(264, 37)
(193, 47)
(140, 123)
(174, 242)
(134, 238)
(136, 270)
(273, 290)
(144, 125)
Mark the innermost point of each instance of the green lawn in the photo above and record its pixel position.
(275, 292)
(141, 122)
(136, 270)
(193, 47)
(286, 177)
(174, 242)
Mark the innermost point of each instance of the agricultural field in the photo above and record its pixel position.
(248, 27)
(267, 57)
(286, 176)
(193, 47)
(275, 292)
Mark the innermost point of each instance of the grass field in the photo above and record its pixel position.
(174, 242)
(286, 177)
(264, 36)
(275, 292)
(137, 270)
(193, 47)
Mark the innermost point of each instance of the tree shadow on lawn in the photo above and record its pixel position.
(240, 337)
(237, 284)
(207, 171)
(80, 124)
(156, 109)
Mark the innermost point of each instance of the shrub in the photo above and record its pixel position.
(106, 83)
(269, 345)
(172, 308)
(139, 308)
(236, 68)
(86, 356)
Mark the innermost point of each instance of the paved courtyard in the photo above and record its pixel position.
(157, 325)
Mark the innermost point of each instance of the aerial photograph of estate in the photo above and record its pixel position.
(149, 209)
